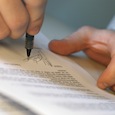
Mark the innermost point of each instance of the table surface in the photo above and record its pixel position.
(54, 29)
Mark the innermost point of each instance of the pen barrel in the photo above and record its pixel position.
(29, 42)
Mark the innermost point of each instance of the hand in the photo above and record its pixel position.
(20, 16)
(97, 44)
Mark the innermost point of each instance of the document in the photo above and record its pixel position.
(48, 84)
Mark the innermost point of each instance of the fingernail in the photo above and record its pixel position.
(103, 85)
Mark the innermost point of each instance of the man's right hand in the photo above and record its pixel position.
(18, 17)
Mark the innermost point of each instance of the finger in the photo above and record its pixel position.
(15, 16)
(4, 30)
(99, 57)
(107, 79)
(70, 44)
(62, 47)
(36, 11)
(77, 41)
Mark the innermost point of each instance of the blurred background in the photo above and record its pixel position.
(76, 13)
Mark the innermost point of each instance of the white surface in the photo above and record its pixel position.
(48, 86)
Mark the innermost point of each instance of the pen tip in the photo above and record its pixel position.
(28, 52)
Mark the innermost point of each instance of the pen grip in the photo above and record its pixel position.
(29, 41)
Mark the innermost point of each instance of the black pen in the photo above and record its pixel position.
(29, 42)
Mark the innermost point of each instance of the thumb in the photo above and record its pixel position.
(73, 43)
(36, 9)
(107, 79)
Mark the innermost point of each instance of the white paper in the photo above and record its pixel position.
(49, 84)
(10, 107)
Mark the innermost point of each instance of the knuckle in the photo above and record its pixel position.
(16, 35)
(18, 28)
(18, 23)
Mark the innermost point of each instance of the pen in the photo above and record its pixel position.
(29, 44)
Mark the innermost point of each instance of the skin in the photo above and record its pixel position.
(98, 44)
(21, 16)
